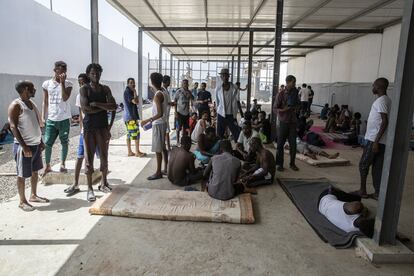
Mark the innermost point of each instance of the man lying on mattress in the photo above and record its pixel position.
(345, 211)
(263, 172)
(311, 151)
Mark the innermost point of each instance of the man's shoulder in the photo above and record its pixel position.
(46, 83)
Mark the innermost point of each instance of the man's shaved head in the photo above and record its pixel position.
(380, 86)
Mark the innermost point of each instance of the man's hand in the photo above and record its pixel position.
(144, 122)
(42, 146)
(62, 78)
(375, 147)
(27, 152)
(176, 115)
(42, 123)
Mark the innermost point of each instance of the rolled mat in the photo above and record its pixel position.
(128, 201)
(305, 193)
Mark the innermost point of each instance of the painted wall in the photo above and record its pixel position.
(34, 38)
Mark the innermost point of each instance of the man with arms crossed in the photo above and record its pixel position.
(28, 145)
(96, 100)
(56, 93)
(376, 134)
(183, 100)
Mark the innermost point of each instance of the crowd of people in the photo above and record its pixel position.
(228, 156)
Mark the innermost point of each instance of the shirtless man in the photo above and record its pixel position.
(181, 169)
(264, 171)
(208, 145)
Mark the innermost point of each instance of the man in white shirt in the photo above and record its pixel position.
(228, 104)
(56, 93)
(375, 135)
(345, 211)
(304, 94)
(243, 142)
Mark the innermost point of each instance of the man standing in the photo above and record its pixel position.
(228, 103)
(203, 100)
(376, 134)
(159, 126)
(28, 145)
(183, 100)
(56, 93)
(96, 100)
(311, 94)
(304, 98)
(131, 118)
(194, 91)
(166, 82)
(286, 104)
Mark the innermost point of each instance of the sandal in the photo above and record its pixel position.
(72, 190)
(104, 188)
(374, 196)
(26, 207)
(358, 193)
(38, 199)
(63, 170)
(90, 196)
(141, 154)
(154, 177)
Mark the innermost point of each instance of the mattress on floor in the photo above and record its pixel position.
(127, 201)
(322, 161)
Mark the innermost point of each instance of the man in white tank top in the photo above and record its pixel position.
(24, 119)
(159, 125)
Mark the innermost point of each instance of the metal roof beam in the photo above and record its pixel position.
(244, 46)
(260, 29)
(226, 55)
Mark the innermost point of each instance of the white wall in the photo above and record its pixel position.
(389, 52)
(296, 67)
(33, 38)
(318, 66)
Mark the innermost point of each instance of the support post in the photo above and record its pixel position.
(171, 65)
(178, 74)
(94, 32)
(276, 64)
(250, 70)
(160, 60)
(238, 63)
(140, 75)
(232, 68)
(396, 152)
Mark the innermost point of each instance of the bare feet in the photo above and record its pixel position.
(38, 199)
(63, 169)
(360, 193)
(46, 170)
(131, 154)
(333, 156)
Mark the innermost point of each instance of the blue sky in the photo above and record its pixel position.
(112, 24)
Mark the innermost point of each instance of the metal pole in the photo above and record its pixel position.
(178, 75)
(238, 63)
(250, 69)
(276, 64)
(94, 32)
(160, 60)
(396, 151)
(171, 65)
(140, 75)
(232, 68)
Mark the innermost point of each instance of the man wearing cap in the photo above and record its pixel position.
(228, 103)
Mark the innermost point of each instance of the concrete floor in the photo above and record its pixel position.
(62, 238)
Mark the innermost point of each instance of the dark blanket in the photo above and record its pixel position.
(305, 195)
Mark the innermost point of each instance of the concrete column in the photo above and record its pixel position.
(399, 131)
(250, 69)
(276, 63)
(140, 75)
(94, 32)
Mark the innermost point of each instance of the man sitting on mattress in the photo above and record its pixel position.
(345, 211)
(311, 151)
(181, 169)
(263, 172)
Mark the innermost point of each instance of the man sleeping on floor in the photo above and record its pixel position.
(345, 211)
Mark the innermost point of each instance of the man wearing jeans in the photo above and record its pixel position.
(286, 104)
(56, 93)
(373, 154)
(228, 103)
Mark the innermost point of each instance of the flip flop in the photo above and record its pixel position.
(154, 177)
(141, 154)
(63, 170)
(39, 199)
(357, 193)
(90, 196)
(104, 188)
(374, 196)
(26, 207)
(72, 190)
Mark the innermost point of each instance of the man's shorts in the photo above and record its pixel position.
(183, 121)
(25, 166)
(132, 127)
(81, 148)
(158, 137)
